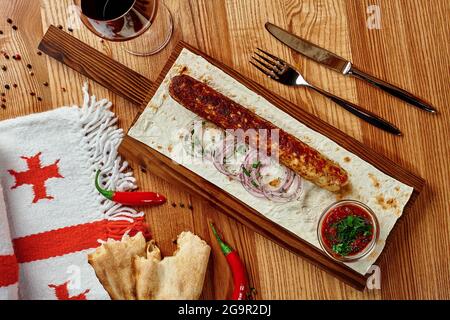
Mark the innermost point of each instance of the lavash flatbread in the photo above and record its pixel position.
(112, 262)
(132, 269)
(179, 277)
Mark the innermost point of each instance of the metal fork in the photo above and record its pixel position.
(279, 70)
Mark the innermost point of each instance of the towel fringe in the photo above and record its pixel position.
(102, 139)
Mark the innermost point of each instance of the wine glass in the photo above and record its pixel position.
(144, 26)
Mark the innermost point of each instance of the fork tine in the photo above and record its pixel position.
(267, 73)
(272, 56)
(275, 64)
(271, 68)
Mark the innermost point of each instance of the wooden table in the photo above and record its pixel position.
(411, 50)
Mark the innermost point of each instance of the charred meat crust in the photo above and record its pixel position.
(227, 114)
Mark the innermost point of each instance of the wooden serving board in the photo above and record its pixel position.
(139, 90)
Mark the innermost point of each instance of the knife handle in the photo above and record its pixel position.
(361, 113)
(393, 90)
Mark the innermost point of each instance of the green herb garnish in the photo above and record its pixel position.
(256, 165)
(255, 184)
(246, 172)
(347, 231)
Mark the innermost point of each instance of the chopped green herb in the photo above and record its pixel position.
(348, 230)
(255, 184)
(246, 172)
(256, 165)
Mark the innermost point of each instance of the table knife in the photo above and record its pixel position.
(342, 66)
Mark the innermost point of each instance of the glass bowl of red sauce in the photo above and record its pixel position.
(348, 230)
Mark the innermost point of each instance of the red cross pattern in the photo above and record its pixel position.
(62, 292)
(36, 175)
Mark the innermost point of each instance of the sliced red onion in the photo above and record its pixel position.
(288, 193)
(224, 158)
(288, 188)
(249, 172)
(249, 175)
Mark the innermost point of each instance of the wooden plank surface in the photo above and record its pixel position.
(411, 50)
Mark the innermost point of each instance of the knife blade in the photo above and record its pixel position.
(341, 65)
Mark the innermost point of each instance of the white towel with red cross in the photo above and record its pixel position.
(9, 269)
(54, 215)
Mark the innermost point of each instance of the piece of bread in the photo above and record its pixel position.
(112, 262)
(179, 277)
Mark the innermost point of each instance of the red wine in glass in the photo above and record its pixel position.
(125, 20)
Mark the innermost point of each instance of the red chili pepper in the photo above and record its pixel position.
(241, 289)
(130, 198)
